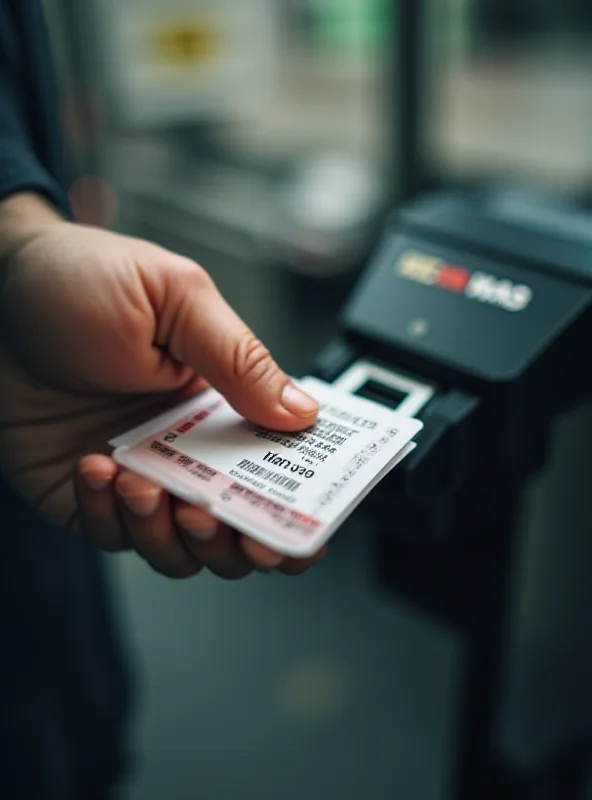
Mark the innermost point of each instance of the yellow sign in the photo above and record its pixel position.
(419, 267)
(185, 42)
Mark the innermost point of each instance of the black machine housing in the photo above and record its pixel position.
(475, 315)
(502, 359)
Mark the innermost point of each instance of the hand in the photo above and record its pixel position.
(100, 332)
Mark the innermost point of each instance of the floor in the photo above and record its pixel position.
(284, 688)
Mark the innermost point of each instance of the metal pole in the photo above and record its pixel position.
(407, 76)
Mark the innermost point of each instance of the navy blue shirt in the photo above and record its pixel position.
(31, 153)
(62, 688)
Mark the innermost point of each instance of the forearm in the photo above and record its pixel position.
(22, 217)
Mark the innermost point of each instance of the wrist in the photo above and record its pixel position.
(23, 217)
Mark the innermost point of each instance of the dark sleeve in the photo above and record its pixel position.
(20, 167)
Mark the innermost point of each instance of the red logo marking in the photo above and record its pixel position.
(454, 279)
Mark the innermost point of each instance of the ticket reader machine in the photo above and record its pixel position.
(475, 314)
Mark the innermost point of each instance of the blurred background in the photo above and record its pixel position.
(268, 140)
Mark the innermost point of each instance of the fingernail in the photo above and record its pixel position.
(96, 483)
(297, 402)
(203, 533)
(142, 505)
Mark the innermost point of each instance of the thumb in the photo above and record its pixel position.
(200, 329)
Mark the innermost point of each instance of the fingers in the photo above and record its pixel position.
(99, 516)
(121, 510)
(297, 566)
(266, 559)
(195, 522)
(147, 515)
(212, 543)
(229, 554)
(199, 328)
(262, 557)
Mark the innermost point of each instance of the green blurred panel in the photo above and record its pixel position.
(352, 26)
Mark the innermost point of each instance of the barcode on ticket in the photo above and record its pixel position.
(269, 475)
(162, 449)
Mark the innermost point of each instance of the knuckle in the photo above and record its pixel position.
(149, 545)
(155, 540)
(124, 483)
(187, 518)
(193, 285)
(200, 278)
(252, 362)
(180, 516)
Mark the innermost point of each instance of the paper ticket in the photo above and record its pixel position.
(290, 491)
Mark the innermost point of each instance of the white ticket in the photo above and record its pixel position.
(290, 491)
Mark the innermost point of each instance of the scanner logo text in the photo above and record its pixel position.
(480, 286)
